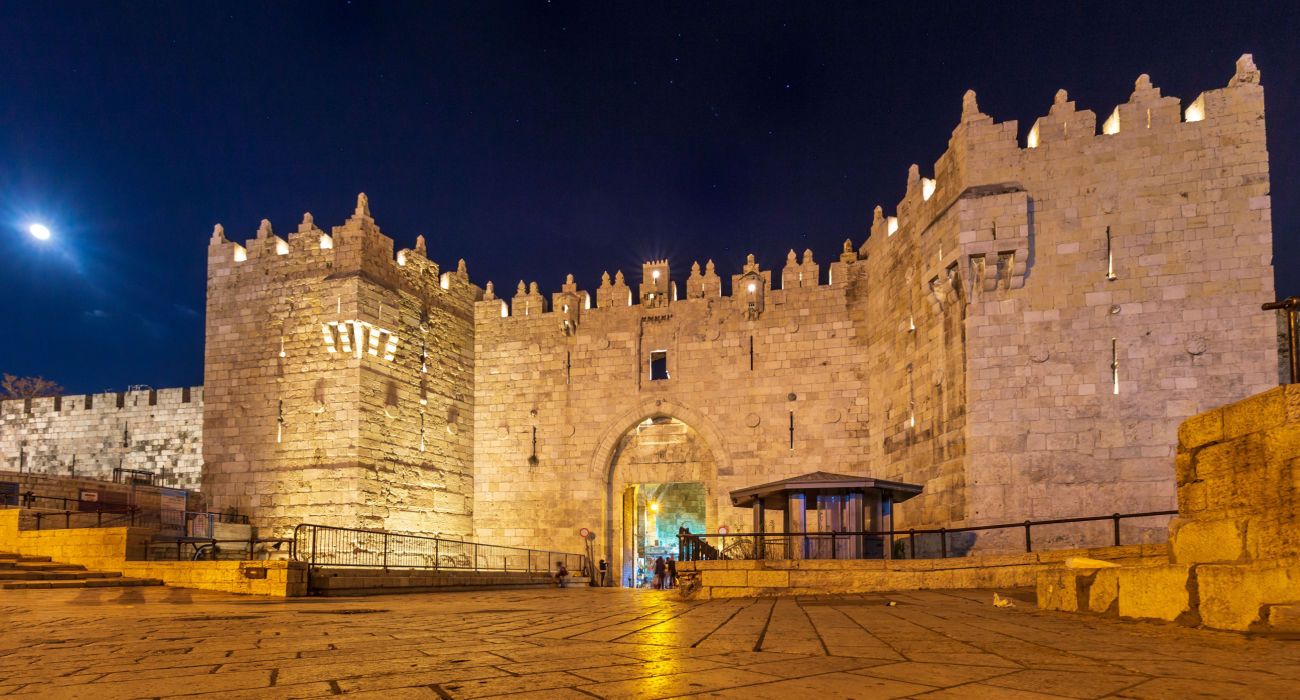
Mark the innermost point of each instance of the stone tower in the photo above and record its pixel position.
(339, 381)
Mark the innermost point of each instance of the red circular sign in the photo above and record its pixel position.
(583, 533)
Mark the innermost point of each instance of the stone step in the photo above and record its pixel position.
(55, 575)
(22, 559)
(47, 566)
(120, 582)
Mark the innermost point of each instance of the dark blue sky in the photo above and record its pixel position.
(532, 139)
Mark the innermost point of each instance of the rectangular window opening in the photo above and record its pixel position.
(658, 365)
(751, 353)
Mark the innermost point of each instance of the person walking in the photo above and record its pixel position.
(604, 568)
(661, 571)
(672, 572)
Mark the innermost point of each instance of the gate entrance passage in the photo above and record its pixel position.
(653, 515)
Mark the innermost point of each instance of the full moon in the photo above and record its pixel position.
(40, 231)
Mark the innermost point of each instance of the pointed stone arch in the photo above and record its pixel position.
(606, 458)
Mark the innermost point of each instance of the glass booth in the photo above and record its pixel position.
(823, 516)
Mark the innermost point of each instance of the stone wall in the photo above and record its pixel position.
(1022, 338)
(339, 381)
(88, 436)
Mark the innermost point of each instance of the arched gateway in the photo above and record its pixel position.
(661, 463)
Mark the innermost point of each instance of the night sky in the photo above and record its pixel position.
(533, 139)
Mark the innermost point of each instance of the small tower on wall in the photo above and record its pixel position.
(341, 381)
(749, 289)
(657, 290)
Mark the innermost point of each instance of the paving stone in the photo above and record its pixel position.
(102, 644)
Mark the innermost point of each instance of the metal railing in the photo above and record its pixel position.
(873, 544)
(53, 512)
(108, 517)
(163, 548)
(329, 546)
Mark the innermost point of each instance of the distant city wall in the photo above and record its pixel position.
(158, 431)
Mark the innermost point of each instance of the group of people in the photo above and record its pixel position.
(665, 573)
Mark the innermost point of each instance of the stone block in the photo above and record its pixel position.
(724, 578)
(1201, 429)
(1233, 596)
(1259, 412)
(1207, 541)
(1283, 618)
(1157, 592)
(768, 579)
(1063, 589)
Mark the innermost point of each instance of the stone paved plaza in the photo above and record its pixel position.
(611, 643)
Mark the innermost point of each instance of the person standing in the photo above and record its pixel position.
(661, 572)
(672, 572)
(604, 568)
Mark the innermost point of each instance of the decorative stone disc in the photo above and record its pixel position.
(1197, 346)
(568, 431)
(752, 420)
(1040, 355)
(832, 415)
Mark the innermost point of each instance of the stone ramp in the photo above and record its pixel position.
(18, 571)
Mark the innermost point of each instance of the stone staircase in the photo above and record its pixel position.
(20, 572)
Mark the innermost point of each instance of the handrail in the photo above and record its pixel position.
(696, 547)
(29, 500)
(334, 546)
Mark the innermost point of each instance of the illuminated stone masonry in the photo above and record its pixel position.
(1022, 336)
(88, 436)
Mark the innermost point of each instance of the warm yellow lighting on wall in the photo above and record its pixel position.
(752, 288)
(1111, 127)
(326, 242)
(1032, 140)
(505, 310)
(927, 188)
(1195, 111)
(891, 225)
(401, 258)
(445, 280)
(281, 248)
(655, 274)
(240, 254)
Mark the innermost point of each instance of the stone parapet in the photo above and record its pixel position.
(754, 578)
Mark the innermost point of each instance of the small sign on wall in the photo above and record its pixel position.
(89, 497)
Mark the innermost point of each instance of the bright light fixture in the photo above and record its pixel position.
(654, 507)
(40, 231)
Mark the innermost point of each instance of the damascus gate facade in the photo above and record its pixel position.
(1021, 336)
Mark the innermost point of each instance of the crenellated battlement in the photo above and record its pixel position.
(356, 247)
(980, 144)
(108, 401)
(979, 174)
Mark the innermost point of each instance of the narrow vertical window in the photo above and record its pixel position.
(751, 353)
(658, 365)
(1110, 256)
(792, 430)
(422, 430)
(568, 367)
(1114, 366)
(279, 423)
